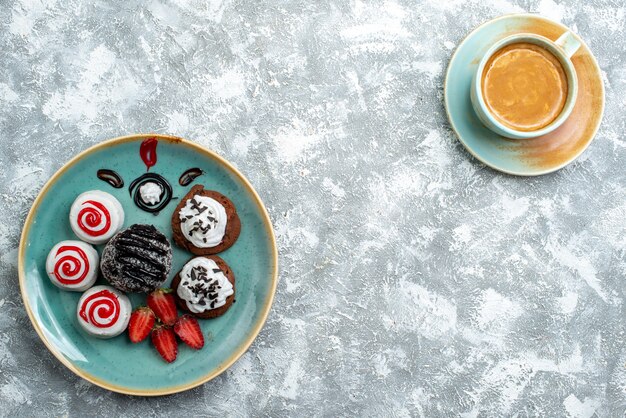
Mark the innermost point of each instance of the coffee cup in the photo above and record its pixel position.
(525, 85)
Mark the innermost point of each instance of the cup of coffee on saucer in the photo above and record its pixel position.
(525, 85)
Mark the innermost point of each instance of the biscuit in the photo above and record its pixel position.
(211, 313)
(209, 219)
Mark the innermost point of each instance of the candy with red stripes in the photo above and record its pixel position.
(103, 311)
(72, 265)
(95, 216)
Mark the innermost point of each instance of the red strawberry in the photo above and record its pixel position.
(188, 329)
(141, 323)
(164, 340)
(161, 301)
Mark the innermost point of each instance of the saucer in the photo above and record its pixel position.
(522, 157)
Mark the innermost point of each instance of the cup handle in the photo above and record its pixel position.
(568, 43)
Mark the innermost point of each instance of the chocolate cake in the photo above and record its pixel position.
(205, 287)
(205, 222)
(137, 259)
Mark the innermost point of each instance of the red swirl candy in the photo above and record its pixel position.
(71, 266)
(102, 309)
(90, 218)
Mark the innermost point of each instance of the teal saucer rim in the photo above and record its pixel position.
(460, 137)
(236, 354)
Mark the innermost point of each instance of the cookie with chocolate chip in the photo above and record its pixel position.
(204, 287)
(205, 222)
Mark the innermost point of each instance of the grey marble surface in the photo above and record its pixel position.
(413, 280)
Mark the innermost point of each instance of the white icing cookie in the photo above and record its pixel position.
(103, 311)
(95, 216)
(72, 265)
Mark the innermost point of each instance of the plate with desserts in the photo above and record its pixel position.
(148, 264)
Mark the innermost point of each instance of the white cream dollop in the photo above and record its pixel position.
(150, 193)
(200, 280)
(203, 221)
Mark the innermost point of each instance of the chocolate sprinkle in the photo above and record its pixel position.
(198, 225)
(204, 287)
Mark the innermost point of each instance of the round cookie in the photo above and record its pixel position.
(95, 216)
(103, 312)
(72, 265)
(137, 259)
(203, 282)
(205, 222)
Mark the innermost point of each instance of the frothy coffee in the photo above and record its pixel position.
(524, 86)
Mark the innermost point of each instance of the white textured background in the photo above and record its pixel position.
(414, 281)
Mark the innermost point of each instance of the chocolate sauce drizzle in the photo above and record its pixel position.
(111, 177)
(166, 192)
(190, 175)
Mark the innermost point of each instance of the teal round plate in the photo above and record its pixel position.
(523, 157)
(117, 364)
